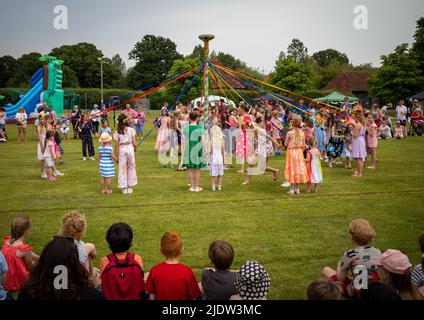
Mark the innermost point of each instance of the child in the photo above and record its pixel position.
(193, 160)
(49, 156)
(19, 256)
(163, 137)
(3, 136)
(4, 295)
(371, 140)
(347, 146)
(84, 128)
(171, 280)
(125, 147)
(74, 225)
(216, 156)
(41, 136)
(263, 152)
(324, 289)
(417, 275)
(313, 165)
(361, 233)
(252, 282)
(58, 147)
(218, 284)
(105, 127)
(121, 271)
(65, 130)
(106, 164)
(398, 132)
(295, 172)
(141, 118)
(395, 272)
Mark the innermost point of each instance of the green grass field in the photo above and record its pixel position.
(293, 237)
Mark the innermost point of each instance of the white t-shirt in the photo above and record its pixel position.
(401, 112)
(96, 114)
(21, 117)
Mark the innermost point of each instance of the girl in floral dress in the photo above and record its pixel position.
(313, 165)
(335, 144)
(125, 146)
(163, 138)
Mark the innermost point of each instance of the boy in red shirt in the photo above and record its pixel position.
(171, 280)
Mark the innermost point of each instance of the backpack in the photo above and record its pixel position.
(122, 279)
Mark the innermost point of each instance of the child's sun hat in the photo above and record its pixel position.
(252, 281)
(394, 261)
(105, 137)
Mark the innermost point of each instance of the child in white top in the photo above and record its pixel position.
(216, 148)
(49, 156)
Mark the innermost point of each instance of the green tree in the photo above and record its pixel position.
(398, 77)
(27, 65)
(83, 59)
(197, 52)
(290, 75)
(297, 51)
(175, 88)
(155, 55)
(119, 64)
(418, 45)
(70, 79)
(324, 75)
(8, 66)
(326, 57)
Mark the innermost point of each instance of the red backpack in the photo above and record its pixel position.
(122, 279)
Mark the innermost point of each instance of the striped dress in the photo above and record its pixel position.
(106, 165)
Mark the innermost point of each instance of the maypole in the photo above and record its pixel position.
(206, 38)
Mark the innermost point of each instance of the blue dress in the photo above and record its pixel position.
(106, 165)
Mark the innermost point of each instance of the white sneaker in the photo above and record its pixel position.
(330, 165)
(219, 188)
(290, 192)
(191, 189)
(125, 191)
(297, 191)
(58, 173)
(84, 158)
(213, 188)
(286, 184)
(198, 189)
(129, 190)
(92, 158)
(43, 175)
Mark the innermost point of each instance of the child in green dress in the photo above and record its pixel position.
(193, 154)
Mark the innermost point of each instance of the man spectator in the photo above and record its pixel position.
(95, 119)
(401, 112)
(345, 104)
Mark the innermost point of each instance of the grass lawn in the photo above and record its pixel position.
(293, 237)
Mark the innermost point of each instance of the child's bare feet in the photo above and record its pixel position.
(109, 191)
(103, 191)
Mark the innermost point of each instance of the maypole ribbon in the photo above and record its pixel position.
(178, 98)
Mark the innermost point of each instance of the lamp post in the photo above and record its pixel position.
(101, 80)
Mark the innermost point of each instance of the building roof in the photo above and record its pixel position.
(349, 81)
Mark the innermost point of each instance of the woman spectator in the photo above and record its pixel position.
(76, 114)
(95, 119)
(21, 123)
(42, 283)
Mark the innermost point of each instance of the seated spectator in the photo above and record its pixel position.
(361, 233)
(19, 256)
(121, 271)
(43, 281)
(218, 284)
(398, 131)
(74, 225)
(395, 272)
(171, 280)
(378, 291)
(418, 272)
(417, 122)
(252, 282)
(324, 289)
(384, 131)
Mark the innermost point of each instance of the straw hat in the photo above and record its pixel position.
(105, 137)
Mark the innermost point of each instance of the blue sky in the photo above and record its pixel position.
(254, 31)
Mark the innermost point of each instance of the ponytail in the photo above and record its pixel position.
(18, 227)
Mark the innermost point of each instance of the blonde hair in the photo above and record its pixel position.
(361, 231)
(73, 225)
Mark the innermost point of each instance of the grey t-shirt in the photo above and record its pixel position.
(218, 285)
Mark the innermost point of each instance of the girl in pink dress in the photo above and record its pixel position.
(245, 136)
(371, 140)
(163, 138)
(125, 146)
